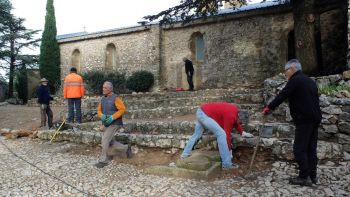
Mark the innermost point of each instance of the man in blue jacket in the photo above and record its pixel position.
(302, 94)
(44, 99)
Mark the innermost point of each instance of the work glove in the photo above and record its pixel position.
(247, 135)
(109, 120)
(103, 118)
(266, 110)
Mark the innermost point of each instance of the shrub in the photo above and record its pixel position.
(21, 84)
(94, 81)
(118, 80)
(332, 89)
(140, 81)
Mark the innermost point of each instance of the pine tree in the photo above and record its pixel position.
(14, 37)
(49, 51)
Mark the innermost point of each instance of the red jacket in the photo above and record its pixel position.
(226, 115)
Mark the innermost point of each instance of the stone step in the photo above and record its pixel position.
(151, 101)
(281, 147)
(186, 127)
(90, 114)
(191, 94)
(171, 112)
(160, 112)
(171, 102)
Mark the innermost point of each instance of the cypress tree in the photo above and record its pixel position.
(49, 51)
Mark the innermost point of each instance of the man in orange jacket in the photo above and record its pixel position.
(74, 92)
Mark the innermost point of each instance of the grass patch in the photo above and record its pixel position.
(332, 89)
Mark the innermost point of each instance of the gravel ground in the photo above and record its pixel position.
(36, 168)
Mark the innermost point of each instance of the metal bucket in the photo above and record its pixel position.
(266, 131)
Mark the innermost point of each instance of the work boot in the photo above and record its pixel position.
(300, 181)
(100, 164)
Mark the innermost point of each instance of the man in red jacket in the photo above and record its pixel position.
(219, 118)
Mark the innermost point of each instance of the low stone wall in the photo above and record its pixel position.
(335, 125)
(281, 148)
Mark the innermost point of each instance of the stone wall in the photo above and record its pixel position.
(136, 49)
(335, 125)
(238, 52)
(240, 49)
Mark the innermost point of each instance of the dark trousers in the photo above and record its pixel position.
(190, 82)
(45, 110)
(74, 103)
(305, 145)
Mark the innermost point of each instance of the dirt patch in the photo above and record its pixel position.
(147, 157)
(21, 117)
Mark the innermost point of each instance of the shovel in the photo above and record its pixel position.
(257, 145)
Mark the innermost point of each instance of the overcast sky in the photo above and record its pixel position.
(73, 15)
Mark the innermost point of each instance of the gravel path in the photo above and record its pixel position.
(36, 168)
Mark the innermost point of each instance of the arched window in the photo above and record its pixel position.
(75, 61)
(198, 46)
(111, 57)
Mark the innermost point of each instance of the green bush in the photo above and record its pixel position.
(21, 84)
(94, 81)
(332, 89)
(140, 81)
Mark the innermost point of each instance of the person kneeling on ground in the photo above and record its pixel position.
(110, 110)
(219, 118)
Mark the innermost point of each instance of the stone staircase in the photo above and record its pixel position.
(167, 120)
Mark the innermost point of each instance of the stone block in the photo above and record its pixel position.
(344, 127)
(212, 172)
(346, 75)
(344, 117)
(195, 162)
(88, 138)
(343, 138)
(346, 108)
(332, 129)
(332, 109)
(346, 147)
(328, 150)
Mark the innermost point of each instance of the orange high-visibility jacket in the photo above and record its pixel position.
(73, 86)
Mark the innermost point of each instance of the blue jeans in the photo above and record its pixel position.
(205, 121)
(74, 103)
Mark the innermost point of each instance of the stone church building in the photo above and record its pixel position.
(236, 48)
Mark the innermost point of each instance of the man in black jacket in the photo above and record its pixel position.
(302, 94)
(189, 72)
(44, 99)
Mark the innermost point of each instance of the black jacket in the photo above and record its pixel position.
(302, 94)
(43, 93)
(189, 67)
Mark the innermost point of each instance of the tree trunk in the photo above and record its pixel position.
(12, 69)
(305, 39)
